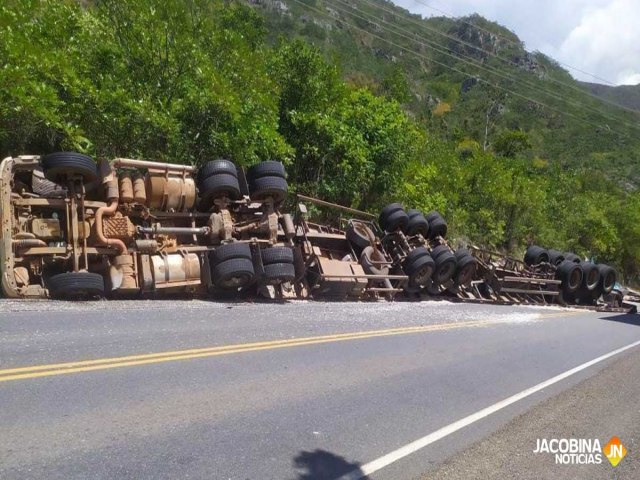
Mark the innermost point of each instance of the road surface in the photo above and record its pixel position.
(309, 390)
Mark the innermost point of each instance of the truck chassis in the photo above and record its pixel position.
(71, 228)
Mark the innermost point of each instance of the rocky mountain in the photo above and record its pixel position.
(624, 95)
(469, 79)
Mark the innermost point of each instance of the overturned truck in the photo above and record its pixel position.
(73, 228)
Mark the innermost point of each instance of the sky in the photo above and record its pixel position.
(600, 37)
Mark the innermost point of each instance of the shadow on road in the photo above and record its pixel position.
(323, 465)
(630, 318)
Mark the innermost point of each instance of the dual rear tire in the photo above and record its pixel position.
(219, 178)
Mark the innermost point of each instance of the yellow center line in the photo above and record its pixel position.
(36, 371)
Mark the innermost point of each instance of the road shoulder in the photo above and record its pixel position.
(599, 407)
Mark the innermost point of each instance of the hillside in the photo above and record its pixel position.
(467, 83)
(501, 141)
(624, 95)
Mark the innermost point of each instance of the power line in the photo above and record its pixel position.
(481, 80)
(449, 14)
(423, 25)
(475, 63)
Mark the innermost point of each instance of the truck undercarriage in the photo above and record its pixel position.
(75, 229)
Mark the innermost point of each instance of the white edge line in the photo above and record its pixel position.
(419, 444)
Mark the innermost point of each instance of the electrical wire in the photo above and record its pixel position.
(480, 80)
(424, 26)
(476, 63)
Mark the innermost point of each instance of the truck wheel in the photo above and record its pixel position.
(465, 268)
(276, 273)
(76, 286)
(222, 184)
(536, 255)
(590, 275)
(571, 276)
(216, 167)
(417, 225)
(277, 255)
(396, 220)
(437, 227)
(420, 270)
(388, 210)
(370, 258)
(359, 234)
(413, 212)
(414, 254)
(439, 250)
(60, 166)
(556, 257)
(607, 277)
(461, 252)
(572, 257)
(233, 273)
(268, 168)
(445, 267)
(230, 251)
(262, 188)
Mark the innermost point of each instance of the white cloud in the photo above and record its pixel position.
(601, 37)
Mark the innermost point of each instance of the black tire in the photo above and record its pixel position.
(277, 255)
(461, 252)
(46, 188)
(445, 267)
(359, 235)
(572, 257)
(413, 212)
(590, 276)
(588, 297)
(370, 259)
(420, 270)
(396, 220)
(262, 188)
(437, 228)
(61, 165)
(556, 257)
(607, 278)
(269, 168)
(229, 251)
(415, 254)
(219, 185)
(536, 255)
(432, 216)
(571, 276)
(234, 273)
(76, 285)
(388, 210)
(217, 167)
(466, 267)
(439, 250)
(276, 273)
(417, 225)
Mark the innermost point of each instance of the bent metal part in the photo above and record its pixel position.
(75, 229)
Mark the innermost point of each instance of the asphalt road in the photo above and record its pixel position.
(304, 390)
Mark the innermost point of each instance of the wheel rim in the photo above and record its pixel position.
(465, 275)
(592, 279)
(609, 280)
(445, 272)
(422, 275)
(575, 278)
(236, 281)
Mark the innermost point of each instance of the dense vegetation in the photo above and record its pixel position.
(188, 81)
(625, 95)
